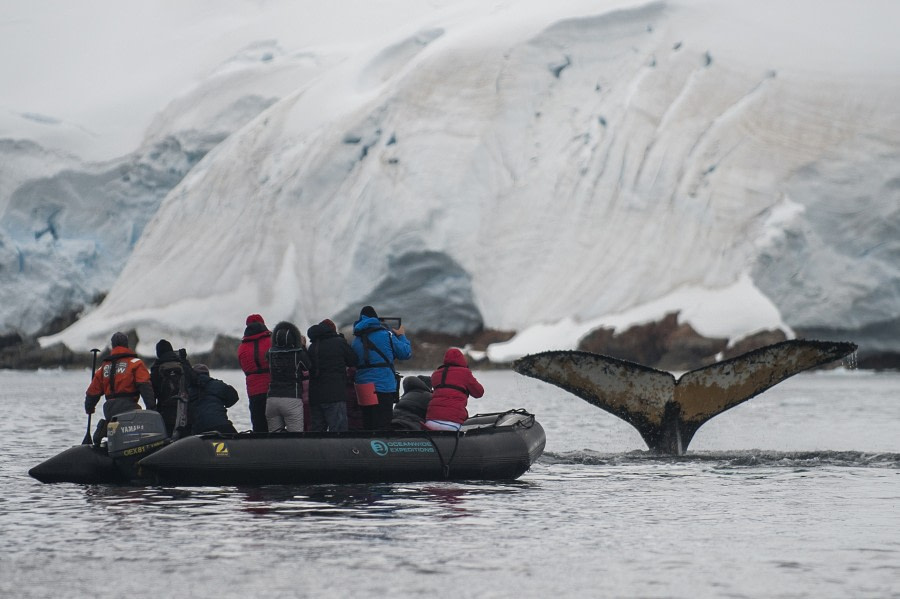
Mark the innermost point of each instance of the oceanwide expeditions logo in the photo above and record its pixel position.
(383, 448)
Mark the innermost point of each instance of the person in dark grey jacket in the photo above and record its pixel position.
(330, 356)
(208, 402)
(409, 413)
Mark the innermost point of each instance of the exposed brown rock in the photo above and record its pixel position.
(882, 361)
(665, 344)
(29, 355)
(754, 341)
(222, 355)
(429, 348)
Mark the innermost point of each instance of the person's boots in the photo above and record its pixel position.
(100, 432)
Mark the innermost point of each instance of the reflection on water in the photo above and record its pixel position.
(312, 501)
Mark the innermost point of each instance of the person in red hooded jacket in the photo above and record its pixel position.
(453, 383)
(252, 356)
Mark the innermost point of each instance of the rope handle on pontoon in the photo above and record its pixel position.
(445, 466)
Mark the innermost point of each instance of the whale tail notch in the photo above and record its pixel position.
(665, 411)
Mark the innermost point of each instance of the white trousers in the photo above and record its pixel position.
(284, 414)
(440, 425)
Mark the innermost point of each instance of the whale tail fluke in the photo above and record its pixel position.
(665, 411)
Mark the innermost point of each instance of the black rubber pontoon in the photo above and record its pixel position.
(490, 447)
(500, 446)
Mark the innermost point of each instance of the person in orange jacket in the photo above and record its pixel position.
(122, 378)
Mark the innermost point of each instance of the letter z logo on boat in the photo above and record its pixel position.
(379, 447)
(221, 450)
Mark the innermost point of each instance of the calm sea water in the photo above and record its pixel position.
(795, 493)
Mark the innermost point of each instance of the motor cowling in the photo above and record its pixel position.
(136, 434)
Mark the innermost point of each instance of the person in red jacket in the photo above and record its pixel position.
(252, 356)
(122, 378)
(453, 383)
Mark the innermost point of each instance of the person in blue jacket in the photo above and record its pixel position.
(377, 347)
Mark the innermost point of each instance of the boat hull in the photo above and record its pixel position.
(500, 446)
(501, 452)
(84, 464)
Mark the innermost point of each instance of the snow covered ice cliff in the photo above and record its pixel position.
(544, 169)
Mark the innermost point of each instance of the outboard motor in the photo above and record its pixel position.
(133, 436)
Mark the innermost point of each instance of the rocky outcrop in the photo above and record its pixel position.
(666, 345)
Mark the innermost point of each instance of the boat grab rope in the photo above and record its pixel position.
(526, 423)
(445, 466)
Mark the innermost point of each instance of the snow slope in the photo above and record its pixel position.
(545, 169)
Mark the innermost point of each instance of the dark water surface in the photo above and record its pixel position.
(795, 493)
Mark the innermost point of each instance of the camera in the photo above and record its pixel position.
(393, 322)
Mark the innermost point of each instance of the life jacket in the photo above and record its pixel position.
(443, 384)
(252, 356)
(119, 376)
(259, 357)
(368, 346)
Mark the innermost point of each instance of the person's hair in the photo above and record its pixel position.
(286, 336)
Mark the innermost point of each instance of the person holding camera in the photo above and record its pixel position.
(252, 354)
(377, 347)
(330, 357)
(289, 372)
(453, 384)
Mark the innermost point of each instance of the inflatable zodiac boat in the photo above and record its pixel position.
(500, 446)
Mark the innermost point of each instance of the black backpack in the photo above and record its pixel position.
(172, 383)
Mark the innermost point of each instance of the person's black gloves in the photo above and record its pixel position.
(89, 406)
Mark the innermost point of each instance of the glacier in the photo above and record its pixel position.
(523, 167)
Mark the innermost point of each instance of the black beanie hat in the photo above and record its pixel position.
(163, 347)
(368, 311)
(119, 340)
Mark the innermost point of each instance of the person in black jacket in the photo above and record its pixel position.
(288, 371)
(208, 403)
(170, 376)
(330, 356)
(409, 413)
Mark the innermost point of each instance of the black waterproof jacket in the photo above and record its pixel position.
(330, 356)
(207, 405)
(288, 362)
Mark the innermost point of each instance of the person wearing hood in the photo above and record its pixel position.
(208, 403)
(122, 378)
(289, 371)
(252, 356)
(170, 378)
(410, 411)
(453, 383)
(330, 356)
(377, 347)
